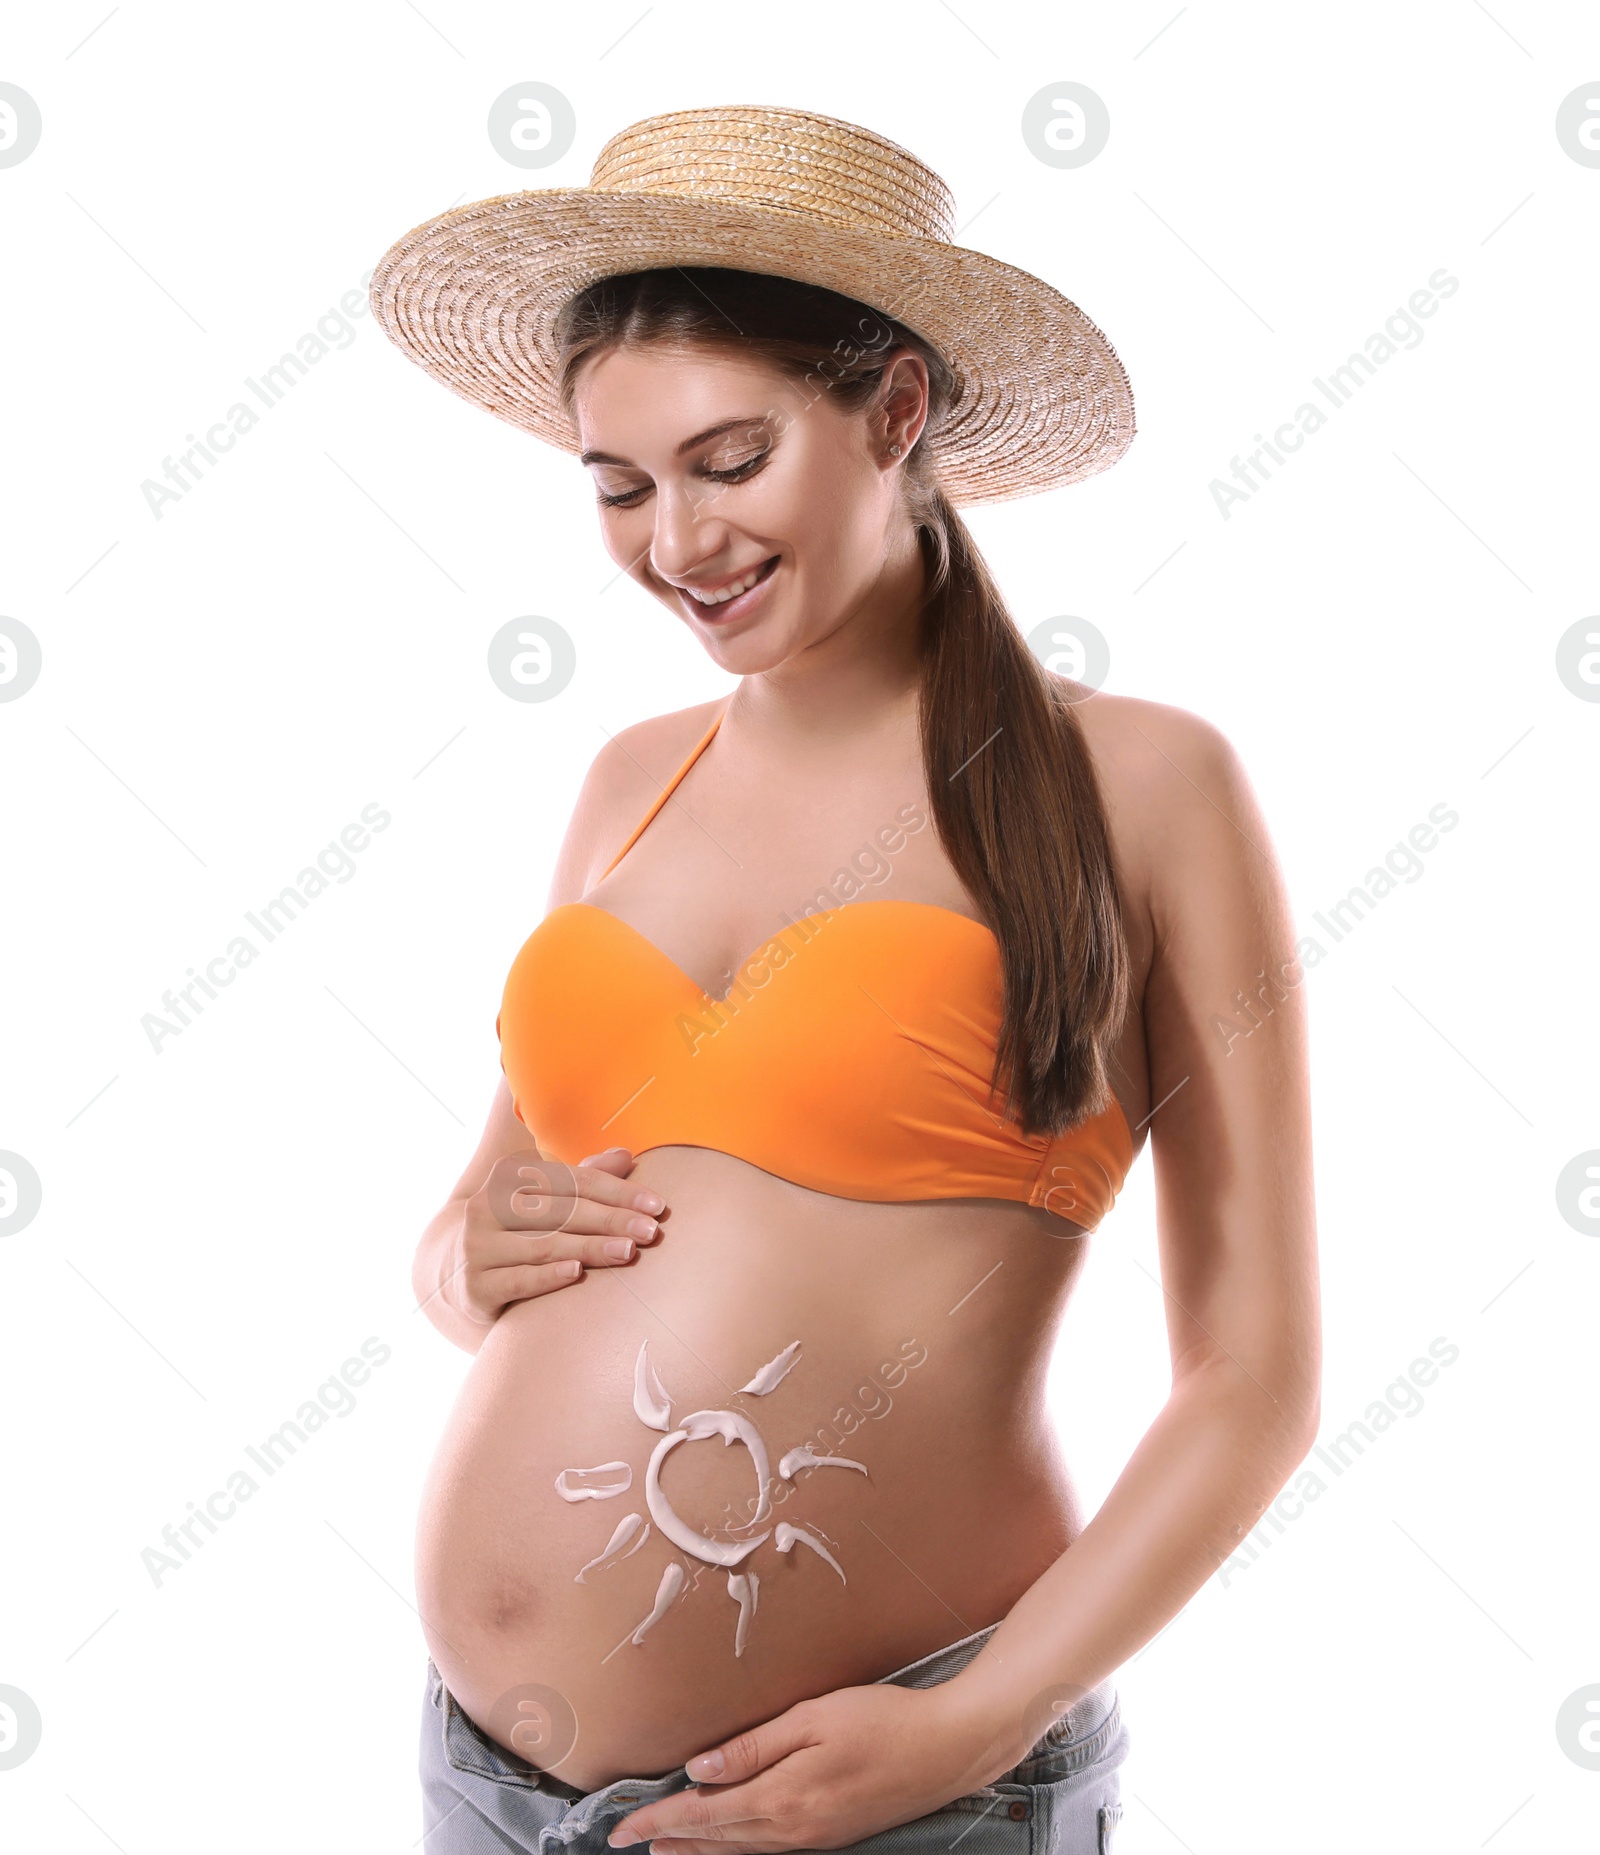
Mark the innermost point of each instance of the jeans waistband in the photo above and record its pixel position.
(929, 1670)
(1076, 1722)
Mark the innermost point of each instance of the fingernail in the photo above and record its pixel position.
(648, 1201)
(620, 1248)
(710, 1764)
(642, 1226)
(620, 1838)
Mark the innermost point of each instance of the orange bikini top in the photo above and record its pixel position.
(852, 1056)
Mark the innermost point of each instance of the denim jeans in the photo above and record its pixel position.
(1063, 1799)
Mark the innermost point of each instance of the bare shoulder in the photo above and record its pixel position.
(637, 761)
(1176, 792)
(1141, 747)
(623, 781)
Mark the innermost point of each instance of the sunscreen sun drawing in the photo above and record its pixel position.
(653, 1407)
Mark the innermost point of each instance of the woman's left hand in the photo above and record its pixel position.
(828, 1772)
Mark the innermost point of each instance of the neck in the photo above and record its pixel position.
(864, 675)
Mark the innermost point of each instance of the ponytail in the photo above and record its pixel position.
(1020, 815)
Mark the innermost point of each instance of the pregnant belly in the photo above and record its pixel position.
(583, 1578)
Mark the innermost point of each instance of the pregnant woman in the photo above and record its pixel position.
(860, 990)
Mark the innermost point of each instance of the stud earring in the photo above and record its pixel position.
(895, 450)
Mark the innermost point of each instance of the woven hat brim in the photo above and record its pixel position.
(472, 296)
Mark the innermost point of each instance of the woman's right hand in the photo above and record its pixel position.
(536, 1224)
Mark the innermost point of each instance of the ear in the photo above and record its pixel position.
(903, 401)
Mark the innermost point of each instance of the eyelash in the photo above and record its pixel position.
(739, 474)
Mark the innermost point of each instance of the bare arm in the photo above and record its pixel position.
(439, 1258)
(469, 1267)
(1231, 1140)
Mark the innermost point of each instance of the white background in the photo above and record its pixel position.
(304, 633)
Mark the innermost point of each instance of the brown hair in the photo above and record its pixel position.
(1013, 789)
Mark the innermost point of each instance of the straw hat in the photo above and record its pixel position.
(472, 295)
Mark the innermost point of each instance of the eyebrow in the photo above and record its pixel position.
(711, 431)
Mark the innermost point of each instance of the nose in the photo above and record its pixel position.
(687, 531)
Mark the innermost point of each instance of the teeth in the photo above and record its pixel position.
(728, 592)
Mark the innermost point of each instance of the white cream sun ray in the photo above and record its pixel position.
(671, 1584)
(627, 1526)
(773, 1370)
(651, 1405)
(742, 1585)
(787, 1535)
(620, 1483)
(800, 1457)
(699, 1424)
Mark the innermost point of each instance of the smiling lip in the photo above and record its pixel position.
(729, 609)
